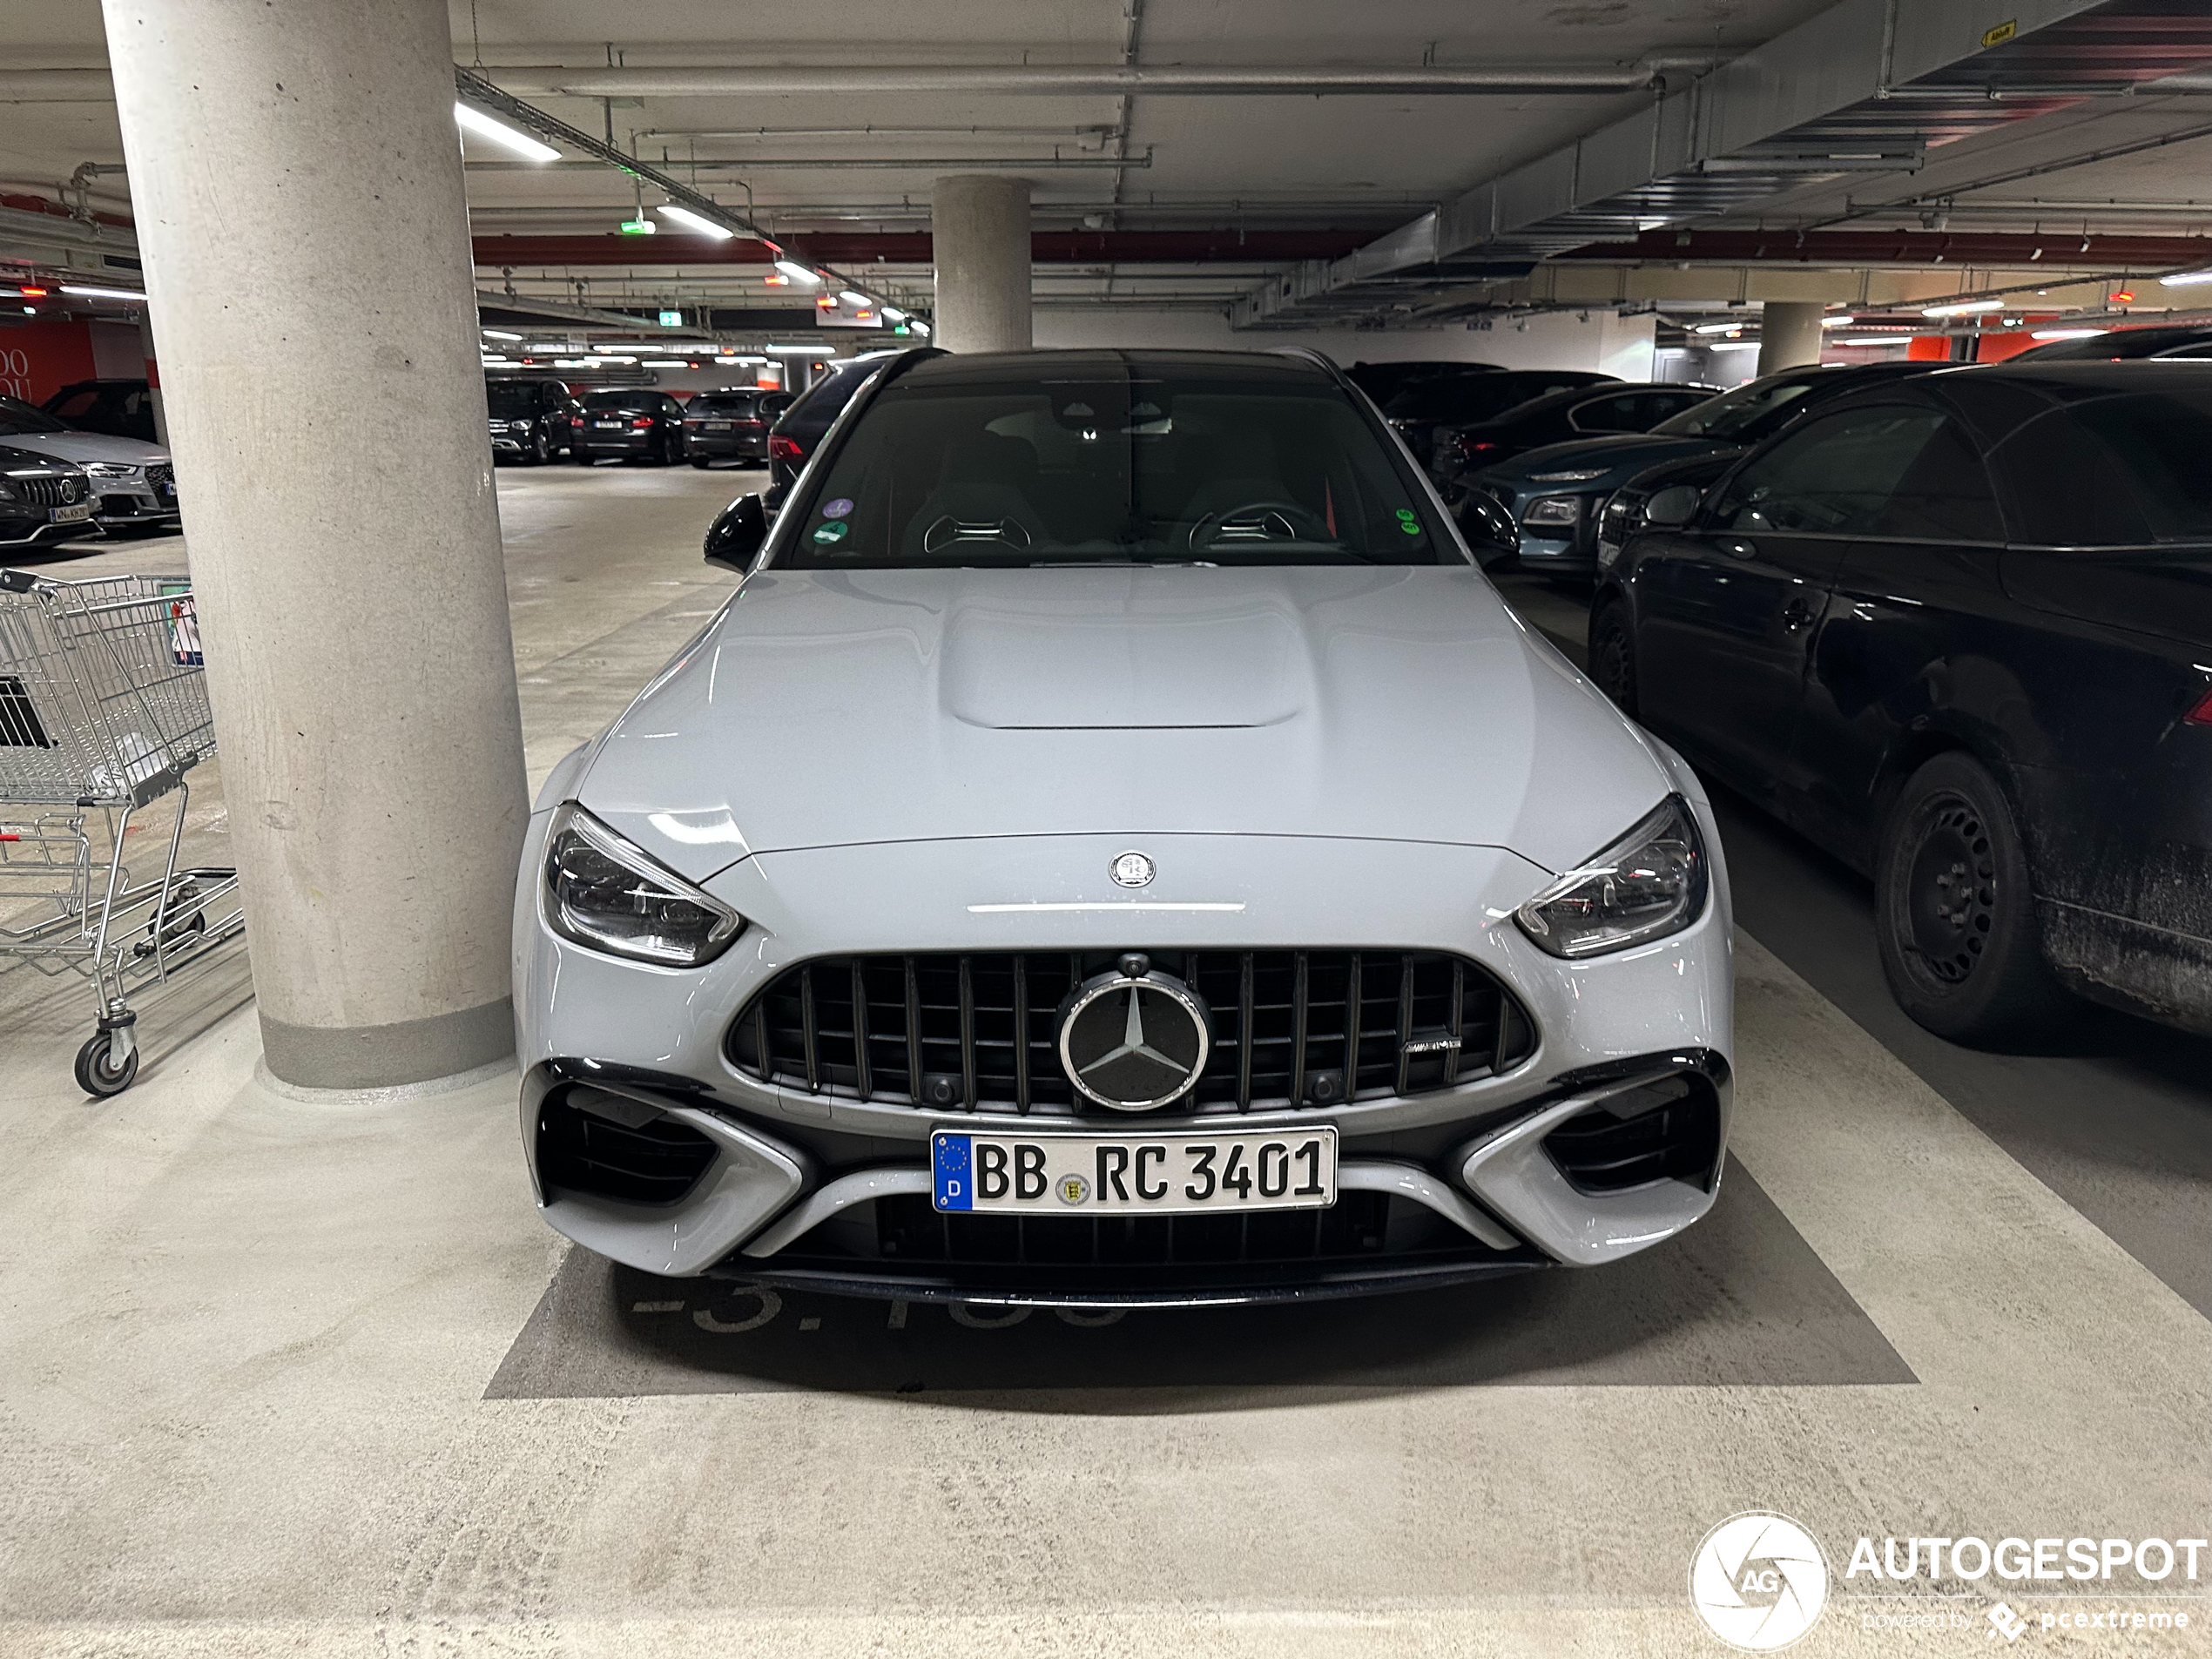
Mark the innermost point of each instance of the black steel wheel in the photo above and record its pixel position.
(95, 1075)
(1954, 913)
(1612, 655)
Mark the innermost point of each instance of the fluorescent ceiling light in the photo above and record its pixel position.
(498, 333)
(921, 329)
(2067, 333)
(892, 313)
(1844, 321)
(1874, 340)
(1716, 328)
(1734, 344)
(1962, 308)
(551, 345)
(102, 293)
(663, 362)
(691, 221)
(796, 350)
(499, 132)
(2187, 279)
(853, 298)
(796, 271)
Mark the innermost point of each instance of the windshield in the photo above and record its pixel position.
(17, 417)
(1733, 414)
(1135, 467)
(720, 403)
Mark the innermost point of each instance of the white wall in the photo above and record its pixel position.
(1611, 344)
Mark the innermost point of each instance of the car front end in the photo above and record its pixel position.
(42, 499)
(1130, 946)
(1557, 494)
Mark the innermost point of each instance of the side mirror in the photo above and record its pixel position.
(1672, 507)
(1491, 534)
(735, 536)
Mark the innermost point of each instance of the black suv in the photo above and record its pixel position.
(531, 419)
(731, 423)
(631, 424)
(121, 409)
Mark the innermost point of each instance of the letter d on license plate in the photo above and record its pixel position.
(1052, 1173)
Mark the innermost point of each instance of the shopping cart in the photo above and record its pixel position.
(102, 710)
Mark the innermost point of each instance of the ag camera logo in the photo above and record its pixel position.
(1758, 1580)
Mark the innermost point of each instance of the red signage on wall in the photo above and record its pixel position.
(38, 359)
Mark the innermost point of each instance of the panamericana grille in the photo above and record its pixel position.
(49, 492)
(1306, 1027)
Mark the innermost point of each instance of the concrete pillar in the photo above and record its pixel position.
(295, 177)
(980, 230)
(1788, 333)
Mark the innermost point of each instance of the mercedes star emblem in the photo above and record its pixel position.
(1130, 870)
(1134, 1040)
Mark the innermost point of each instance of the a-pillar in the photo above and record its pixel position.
(980, 229)
(1788, 333)
(296, 183)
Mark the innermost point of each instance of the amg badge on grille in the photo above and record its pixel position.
(1134, 1040)
(1130, 870)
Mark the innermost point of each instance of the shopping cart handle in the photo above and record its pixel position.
(17, 581)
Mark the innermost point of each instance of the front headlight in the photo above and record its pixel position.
(111, 469)
(1553, 509)
(1650, 883)
(606, 894)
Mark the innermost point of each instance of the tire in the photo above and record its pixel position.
(700, 462)
(580, 456)
(93, 1074)
(1612, 655)
(663, 451)
(1954, 913)
(541, 451)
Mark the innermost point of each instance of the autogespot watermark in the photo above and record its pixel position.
(1759, 1580)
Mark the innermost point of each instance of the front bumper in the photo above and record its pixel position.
(830, 1191)
(36, 532)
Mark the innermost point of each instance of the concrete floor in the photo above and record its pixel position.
(280, 1375)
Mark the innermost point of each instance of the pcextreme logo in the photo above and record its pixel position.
(1758, 1580)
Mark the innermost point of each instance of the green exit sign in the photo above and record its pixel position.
(638, 228)
(672, 320)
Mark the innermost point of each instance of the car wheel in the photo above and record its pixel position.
(700, 462)
(1612, 655)
(541, 451)
(1955, 915)
(580, 456)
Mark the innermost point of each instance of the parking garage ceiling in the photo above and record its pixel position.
(1285, 163)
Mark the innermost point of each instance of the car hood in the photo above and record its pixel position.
(83, 447)
(1623, 456)
(826, 708)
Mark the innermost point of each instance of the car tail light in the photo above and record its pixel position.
(2201, 714)
(1472, 447)
(783, 449)
(642, 420)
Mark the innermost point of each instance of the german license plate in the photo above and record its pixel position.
(608, 426)
(715, 426)
(75, 515)
(1052, 1173)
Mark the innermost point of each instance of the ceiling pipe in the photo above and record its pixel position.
(1087, 80)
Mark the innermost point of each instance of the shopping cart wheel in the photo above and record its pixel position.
(96, 1074)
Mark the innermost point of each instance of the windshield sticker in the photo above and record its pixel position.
(834, 532)
(837, 509)
(1407, 521)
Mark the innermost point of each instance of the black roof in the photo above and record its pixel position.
(1997, 398)
(1028, 367)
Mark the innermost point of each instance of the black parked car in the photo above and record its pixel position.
(1383, 381)
(1554, 492)
(531, 421)
(1420, 410)
(1563, 417)
(42, 499)
(1958, 630)
(731, 424)
(121, 409)
(793, 440)
(633, 425)
(2186, 343)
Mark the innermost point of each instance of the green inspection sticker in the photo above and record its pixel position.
(832, 532)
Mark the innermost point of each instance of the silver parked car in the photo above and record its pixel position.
(1116, 848)
(132, 483)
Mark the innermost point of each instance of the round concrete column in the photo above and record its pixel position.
(1788, 333)
(295, 178)
(980, 229)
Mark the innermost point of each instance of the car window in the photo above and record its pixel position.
(1833, 476)
(1626, 411)
(1734, 416)
(2111, 471)
(76, 406)
(18, 418)
(1944, 495)
(1138, 466)
(631, 401)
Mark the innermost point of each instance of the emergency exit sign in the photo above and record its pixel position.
(672, 320)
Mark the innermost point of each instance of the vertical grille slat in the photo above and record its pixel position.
(982, 1029)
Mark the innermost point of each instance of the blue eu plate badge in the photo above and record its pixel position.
(952, 1159)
